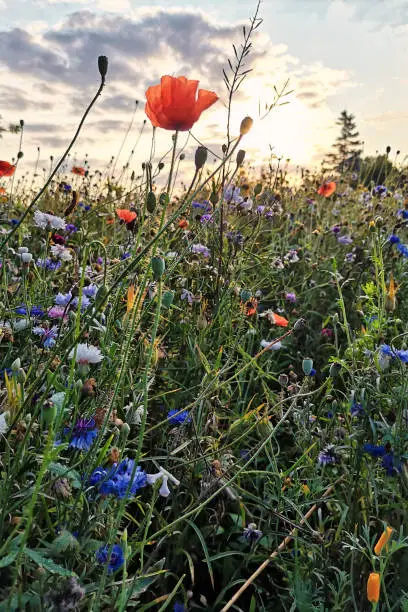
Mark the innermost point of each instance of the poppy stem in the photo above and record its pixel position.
(173, 159)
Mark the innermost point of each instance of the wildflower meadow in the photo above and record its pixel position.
(203, 384)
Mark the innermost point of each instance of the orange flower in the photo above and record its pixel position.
(383, 541)
(173, 104)
(280, 321)
(6, 169)
(373, 587)
(183, 223)
(2, 191)
(126, 215)
(327, 189)
(110, 221)
(78, 170)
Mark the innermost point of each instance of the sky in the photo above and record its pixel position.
(336, 54)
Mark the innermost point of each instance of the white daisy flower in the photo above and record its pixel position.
(46, 221)
(86, 353)
(61, 252)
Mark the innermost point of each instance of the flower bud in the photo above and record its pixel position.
(373, 587)
(20, 154)
(164, 199)
(21, 123)
(151, 202)
(182, 156)
(161, 166)
(283, 380)
(307, 366)
(257, 189)
(103, 66)
(48, 413)
(200, 157)
(214, 198)
(246, 295)
(335, 370)
(16, 365)
(240, 157)
(168, 297)
(246, 125)
(299, 324)
(158, 267)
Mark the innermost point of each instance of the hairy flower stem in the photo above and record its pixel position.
(57, 167)
(173, 159)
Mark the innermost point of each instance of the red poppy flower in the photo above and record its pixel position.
(278, 320)
(249, 308)
(126, 215)
(2, 191)
(183, 224)
(173, 104)
(6, 169)
(327, 189)
(78, 170)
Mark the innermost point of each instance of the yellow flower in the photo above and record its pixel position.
(383, 541)
(131, 296)
(373, 587)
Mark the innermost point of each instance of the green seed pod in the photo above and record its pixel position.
(168, 297)
(246, 295)
(307, 366)
(151, 202)
(164, 199)
(335, 370)
(240, 157)
(101, 296)
(158, 267)
(48, 413)
(257, 189)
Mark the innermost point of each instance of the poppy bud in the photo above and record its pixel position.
(307, 366)
(335, 369)
(200, 157)
(158, 267)
(161, 166)
(383, 541)
(299, 324)
(20, 154)
(257, 189)
(21, 123)
(224, 148)
(114, 455)
(103, 66)
(48, 413)
(240, 157)
(388, 150)
(164, 199)
(245, 295)
(246, 125)
(151, 202)
(182, 156)
(214, 198)
(373, 587)
(283, 380)
(168, 297)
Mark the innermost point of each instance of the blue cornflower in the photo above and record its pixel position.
(87, 207)
(67, 187)
(206, 206)
(48, 336)
(402, 355)
(179, 607)
(125, 256)
(393, 239)
(49, 264)
(116, 559)
(63, 299)
(7, 371)
(389, 464)
(84, 302)
(71, 228)
(83, 434)
(260, 209)
(179, 419)
(35, 311)
(387, 350)
(90, 291)
(327, 456)
(403, 249)
(344, 240)
(374, 450)
(14, 222)
(380, 190)
(122, 480)
(356, 409)
(206, 218)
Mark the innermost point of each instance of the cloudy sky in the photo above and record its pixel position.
(336, 54)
